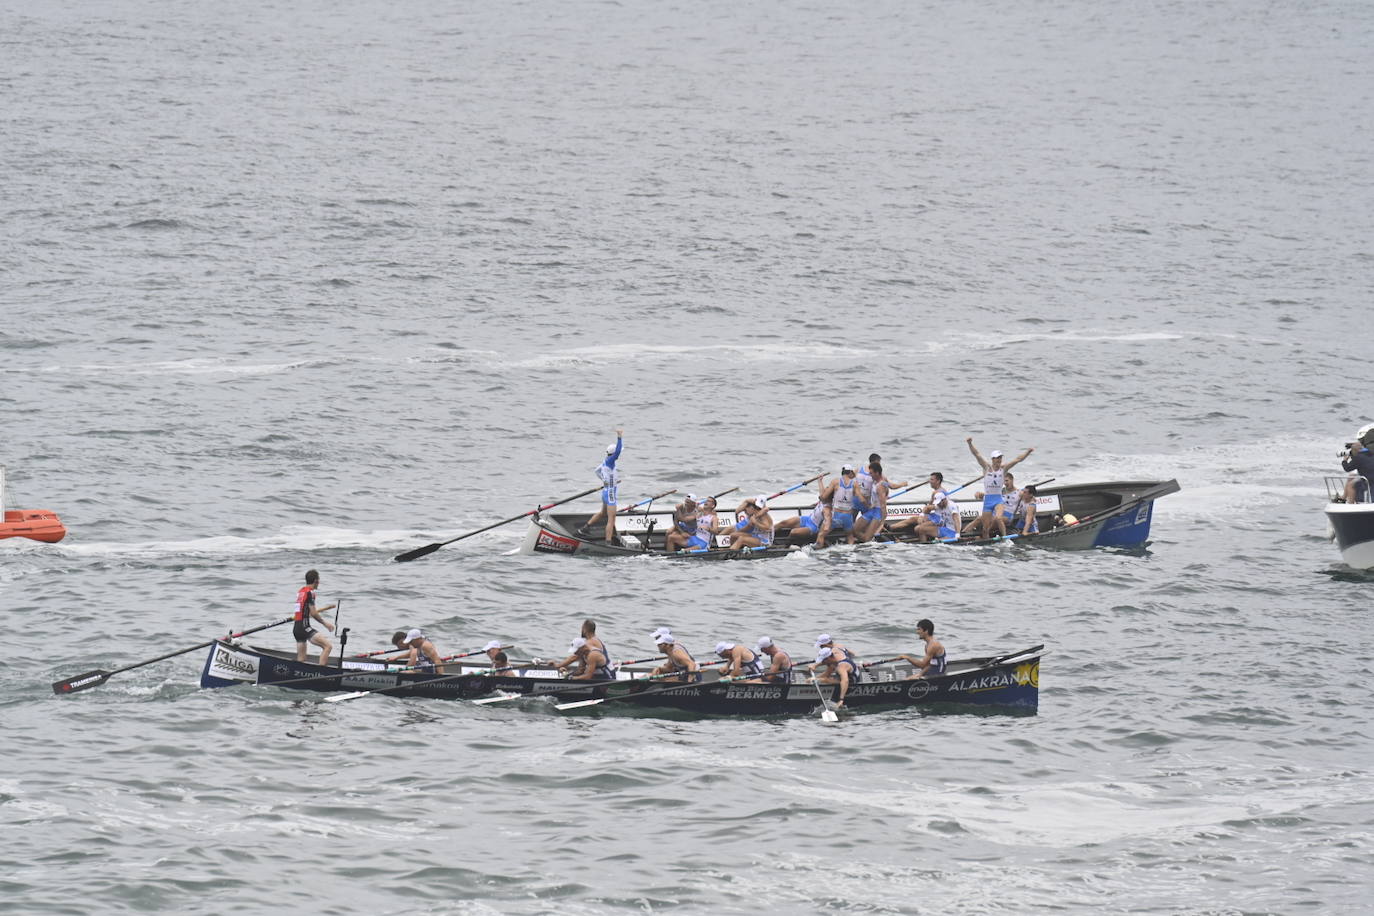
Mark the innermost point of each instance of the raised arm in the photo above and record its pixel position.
(1018, 459)
(982, 463)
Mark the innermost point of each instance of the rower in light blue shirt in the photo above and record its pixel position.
(610, 482)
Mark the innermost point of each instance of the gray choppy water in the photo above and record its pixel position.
(307, 286)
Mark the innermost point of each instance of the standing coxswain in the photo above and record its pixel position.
(610, 482)
(993, 471)
(305, 612)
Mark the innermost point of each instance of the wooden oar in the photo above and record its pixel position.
(582, 685)
(706, 678)
(360, 671)
(828, 714)
(96, 678)
(430, 548)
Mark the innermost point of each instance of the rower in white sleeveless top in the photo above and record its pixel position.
(937, 485)
(993, 472)
(842, 502)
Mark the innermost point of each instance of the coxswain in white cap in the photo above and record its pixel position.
(993, 472)
(610, 483)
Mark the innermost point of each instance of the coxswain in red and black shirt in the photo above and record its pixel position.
(305, 612)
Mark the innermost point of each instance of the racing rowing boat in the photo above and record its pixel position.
(1006, 681)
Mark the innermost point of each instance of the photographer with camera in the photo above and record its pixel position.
(1358, 457)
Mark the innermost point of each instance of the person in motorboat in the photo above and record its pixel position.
(755, 529)
(993, 471)
(305, 613)
(779, 669)
(937, 485)
(941, 520)
(932, 664)
(740, 661)
(679, 664)
(686, 521)
(1359, 458)
(610, 482)
(836, 668)
(420, 652)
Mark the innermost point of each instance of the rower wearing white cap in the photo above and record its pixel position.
(740, 661)
(837, 668)
(937, 486)
(826, 641)
(421, 652)
(587, 662)
(942, 520)
(780, 667)
(679, 660)
(610, 481)
(686, 519)
(755, 529)
(993, 471)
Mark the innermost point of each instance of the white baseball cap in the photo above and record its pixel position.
(823, 639)
(723, 647)
(662, 639)
(846, 467)
(824, 654)
(765, 642)
(494, 644)
(663, 631)
(414, 635)
(610, 449)
(577, 643)
(692, 497)
(995, 455)
(761, 501)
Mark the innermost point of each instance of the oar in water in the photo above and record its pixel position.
(351, 672)
(96, 678)
(583, 685)
(430, 548)
(828, 714)
(707, 677)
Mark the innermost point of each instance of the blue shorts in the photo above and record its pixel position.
(608, 496)
(1019, 522)
(842, 521)
(698, 541)
(810, 525)
(872, 514)
(742, 524)
(992, 501)
(946, 531)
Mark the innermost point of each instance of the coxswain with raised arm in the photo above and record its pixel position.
(610, 483)
(993, 471)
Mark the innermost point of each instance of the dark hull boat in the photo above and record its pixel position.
(1008, 681)
(1351, 526)
(1106, 515)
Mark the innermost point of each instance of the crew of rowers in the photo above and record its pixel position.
(855, 503)
(588, 659)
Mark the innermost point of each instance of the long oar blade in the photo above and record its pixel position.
(416, 553)
(829, 715)
(339, 698)
(81, 682)
(579, 703)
